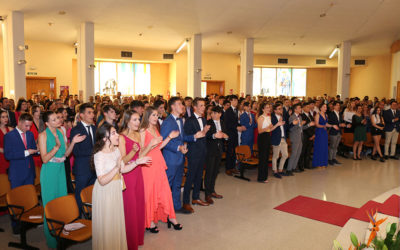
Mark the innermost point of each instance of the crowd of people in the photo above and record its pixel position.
(134, 150)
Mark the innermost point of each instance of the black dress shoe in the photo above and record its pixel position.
(182, 211)
(386, 157)
(336, 162)
(297, 170)
(373, 157)
(331, 162)
(381, 159)
(287, 173)
(394, 157)
(301, 169)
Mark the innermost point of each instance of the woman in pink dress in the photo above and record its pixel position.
(157, 193)
(134, 193)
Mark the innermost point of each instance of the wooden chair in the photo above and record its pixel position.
(4, 188)
(73, 180)
(62, 211)
(243, 155)
(86, 197)
(22, 203)
(370, 142)
(37, 181)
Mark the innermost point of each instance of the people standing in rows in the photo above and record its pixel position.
(158, 196)
(53, 150)
(391, 117)
(248, 120)
(133, 195)
(108, 217)
(84, 175)
(197, 152)
(296, 138)
(377, 130)
(360, 132)
(278, 140)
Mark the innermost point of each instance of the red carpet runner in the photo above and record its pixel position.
(328, 212)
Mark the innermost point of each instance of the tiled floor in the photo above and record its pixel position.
(245, 218)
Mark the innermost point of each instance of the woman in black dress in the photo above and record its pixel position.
(377, 127)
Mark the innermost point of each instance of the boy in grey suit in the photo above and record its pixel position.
(296, 138)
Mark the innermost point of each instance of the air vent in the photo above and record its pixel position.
(359, 62)
(282, 60)
(320, 61)
(168, 56)
(126, 54)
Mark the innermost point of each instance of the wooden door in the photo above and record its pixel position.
(215, 87)
(43, 86)
(398, 91)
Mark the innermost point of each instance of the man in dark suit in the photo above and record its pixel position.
(308, 137)
(231, 121)
(392, 126)
(11, 115)
(196, 153)
(83, 151)
(174, 152)
(188, 107)
(19, 146)
(215, 146)
(335, 133)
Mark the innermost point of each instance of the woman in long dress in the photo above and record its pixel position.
(53, 150)
(320, 156)
(129, 146)
(157, 193)
(108, 220)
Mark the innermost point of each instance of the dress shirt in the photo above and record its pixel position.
(200, 120)
(87, 130)
(179, 124)
(26, 152)
(281, 127)
(337, 114)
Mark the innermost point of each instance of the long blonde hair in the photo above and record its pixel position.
(145, 124)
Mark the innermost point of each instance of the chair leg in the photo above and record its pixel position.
(22, 244)
(241, 176)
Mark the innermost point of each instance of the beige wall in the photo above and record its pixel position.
(372, 79)
(321, 81)
(159, 78)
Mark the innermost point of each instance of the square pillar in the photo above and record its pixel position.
(343, 79)
(246, 67)
(86, 61)
(14, 55)
(194, 66)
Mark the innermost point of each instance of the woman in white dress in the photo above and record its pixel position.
(108, 221)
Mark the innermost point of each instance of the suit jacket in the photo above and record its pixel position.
(172, 156)
(248, 134)
(276, 134)
(389, 123)
(286, 114)
(82, 151)
(231, 123)
(333, 120)
(196, 148)
(308, 130)
(186, 113)
(14, 150)
(295, 131)
(214, 146)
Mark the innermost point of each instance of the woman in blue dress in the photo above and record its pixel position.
(320, 157)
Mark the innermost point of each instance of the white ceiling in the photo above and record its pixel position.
(371, 25)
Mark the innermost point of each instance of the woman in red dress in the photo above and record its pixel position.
(36, 128)
(4, 129)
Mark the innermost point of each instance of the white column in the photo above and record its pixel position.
(246, 67)
(14, 55)
(194, 66)
(86, 60)
(395, 74)
(343, 79)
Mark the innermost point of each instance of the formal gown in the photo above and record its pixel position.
(157, 193)
(108, 220)
(320, 157)
(3, 162)
(36, 158)
(134, 201)
(52, 178)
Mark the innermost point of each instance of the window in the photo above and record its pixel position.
(127, 78)
(279, 81)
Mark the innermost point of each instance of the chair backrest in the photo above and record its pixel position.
(243, 150)
(86, 194)
(37, 178)
(24, 196)
(62, 209)
(348, 138)
(4, 188)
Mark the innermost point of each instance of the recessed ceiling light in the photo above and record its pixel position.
(229, 32)
(50, 23)
(217, 44)
(322, 15)
(62, 12)
(293, 44)
(150, 27)
(140, 34)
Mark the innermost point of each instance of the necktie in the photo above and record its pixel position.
(178, 120)
(251, 120)
(24, 140)
(90, 134)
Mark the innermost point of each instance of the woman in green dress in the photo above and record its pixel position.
(53, 150)
(360, 132)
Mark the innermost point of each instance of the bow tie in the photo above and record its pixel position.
(199, 117)
(178, 119)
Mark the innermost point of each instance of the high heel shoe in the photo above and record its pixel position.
(373, 157)
(153, 230)
(382, 159)
(176, 226)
